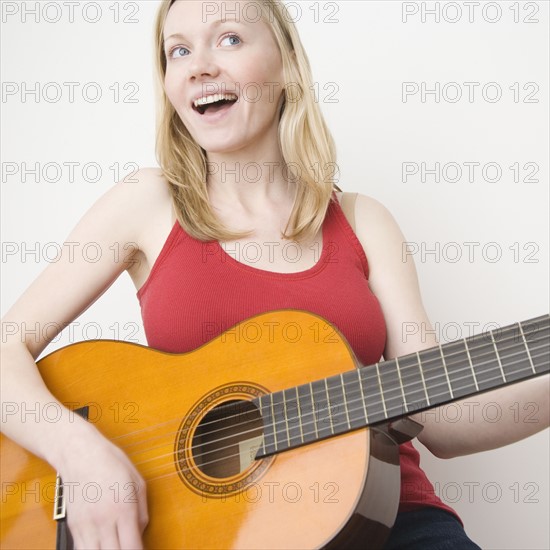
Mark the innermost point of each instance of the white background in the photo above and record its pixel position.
(365, 55)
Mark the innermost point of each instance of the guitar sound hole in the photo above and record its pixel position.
(226, 440)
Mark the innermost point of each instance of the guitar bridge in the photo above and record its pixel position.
(59, 505)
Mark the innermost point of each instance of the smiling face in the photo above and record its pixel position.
(219, 47)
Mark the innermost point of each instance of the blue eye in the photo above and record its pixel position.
(232, 36)
(177, 49)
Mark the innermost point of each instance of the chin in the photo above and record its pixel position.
(221, 147)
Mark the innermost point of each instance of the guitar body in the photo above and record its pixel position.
(204, 490)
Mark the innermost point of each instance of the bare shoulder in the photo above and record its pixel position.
(392, 272)
(149, 217)
(142, 186)
(149, 182)
(135, 206)
(376, 227)
(369, 210)
(143, 190)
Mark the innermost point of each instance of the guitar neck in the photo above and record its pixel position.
(408, 384)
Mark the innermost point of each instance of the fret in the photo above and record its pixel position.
(446, 371)
(486, 365)
(322, 412)
(373, 398)
(401, 384)
(393, 397)
(307, 413)
(313, 411)
(335, 397)
(285, 416)
(346, 408)
(539, 344)
(329, 407)
(423, 380)
(279, 419)
(537, 335)
(436, 381)
(540, 347)
(363, 400)
(415, 393)
(354, 398)
(460, 374)
(498, 356)
(381, 390)
(471, 365)
(526, 347)
(292, 416)
(513, 353)
(268, 443)
(299, 414)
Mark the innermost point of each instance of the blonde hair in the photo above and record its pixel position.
(304, 139)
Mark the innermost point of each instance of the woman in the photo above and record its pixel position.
(283, 134)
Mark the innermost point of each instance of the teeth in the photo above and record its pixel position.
(213, 98)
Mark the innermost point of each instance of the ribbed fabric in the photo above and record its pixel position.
(196, 291)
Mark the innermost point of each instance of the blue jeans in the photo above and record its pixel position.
(428, 529)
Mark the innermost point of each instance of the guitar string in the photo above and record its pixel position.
(306, 424)
(387, 400)
(360, 400)
(408, 385)
(175, 472)
(170, 464)
(437, 378)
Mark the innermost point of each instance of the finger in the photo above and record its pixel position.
(109, 538)
(129, 536)
(104, 537)
(85, 541)
(142, 508)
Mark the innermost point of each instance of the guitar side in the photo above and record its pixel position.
(151, 404)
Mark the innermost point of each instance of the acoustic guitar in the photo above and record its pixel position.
(272, 435)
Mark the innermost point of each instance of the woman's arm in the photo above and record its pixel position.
(394, 281)
(64, 290)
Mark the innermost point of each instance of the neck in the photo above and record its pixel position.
(250, 175)
(408, 384)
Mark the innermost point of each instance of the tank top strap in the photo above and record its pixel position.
(337, 222)
(177, 234)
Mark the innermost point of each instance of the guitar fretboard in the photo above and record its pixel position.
(405, 385)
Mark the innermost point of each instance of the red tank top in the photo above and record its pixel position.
(196, 291)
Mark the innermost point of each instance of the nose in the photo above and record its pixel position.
(202, 64)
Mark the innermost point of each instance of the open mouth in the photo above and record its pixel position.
(212, 107)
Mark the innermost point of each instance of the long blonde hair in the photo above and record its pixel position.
(306, 144)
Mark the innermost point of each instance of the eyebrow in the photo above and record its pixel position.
(213, 25)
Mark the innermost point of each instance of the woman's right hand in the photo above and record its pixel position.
(105, 495)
